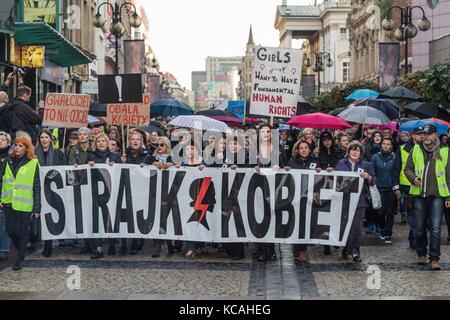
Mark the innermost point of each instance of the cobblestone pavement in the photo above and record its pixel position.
(214, 276)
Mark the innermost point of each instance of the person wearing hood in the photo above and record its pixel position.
(387, 173)
(5, 240)
(302, 158)
(48, 156)
(372, 146)
(354, 162)
(101, 154)
(328, 156)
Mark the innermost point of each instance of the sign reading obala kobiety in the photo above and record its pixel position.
(276, 82)
(66, 110)
(133, 114)
(211, 205)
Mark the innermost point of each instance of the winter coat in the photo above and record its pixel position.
(98, 156)
(345, 165)
(387, 170)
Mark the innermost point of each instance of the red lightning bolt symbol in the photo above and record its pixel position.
(199, 206)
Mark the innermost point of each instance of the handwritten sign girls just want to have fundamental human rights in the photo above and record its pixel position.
(276, 82)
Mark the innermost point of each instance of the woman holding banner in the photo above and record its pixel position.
(264, 160)
(302, 158)
(20, 194)
(48, 156)
(135, 154)
(354, 162)
(78, 156)
(101, 154)
(162, 160)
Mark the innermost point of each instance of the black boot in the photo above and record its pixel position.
(326, 250)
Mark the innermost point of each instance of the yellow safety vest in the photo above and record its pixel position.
(403, 179)
(18, 190)
(55, 134)
(419, 168)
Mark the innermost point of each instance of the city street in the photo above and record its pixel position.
(212, 276)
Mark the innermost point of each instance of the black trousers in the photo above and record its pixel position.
(18, 228)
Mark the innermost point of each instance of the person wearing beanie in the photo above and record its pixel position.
(354, 162)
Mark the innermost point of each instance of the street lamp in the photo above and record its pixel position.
(406, 30)
(319, 65)
(116, 27)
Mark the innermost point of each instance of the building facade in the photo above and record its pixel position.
(324, 29)
(365, 35)
(432, 46)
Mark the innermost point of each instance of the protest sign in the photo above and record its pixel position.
(276, 82)
(66, 110)
(133, 114)
(210, 205)
(120, 88)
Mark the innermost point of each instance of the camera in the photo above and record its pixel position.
(19, 72)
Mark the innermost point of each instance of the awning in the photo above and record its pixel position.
(58, 49)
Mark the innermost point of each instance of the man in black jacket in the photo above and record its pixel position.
(22, 118)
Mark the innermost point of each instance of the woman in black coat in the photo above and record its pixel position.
(302, 159)
(5, 241)
(135, 154)
(101, 154)
(48, 156)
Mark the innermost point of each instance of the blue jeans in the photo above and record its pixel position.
(429, 209)
(5, 240)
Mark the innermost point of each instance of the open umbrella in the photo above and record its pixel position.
(427, 110)
(335, 112)
(410, 125)
(200, 123)
(95, 121)
(400, 92)
(154, 126)
(303, 105)
(364, 115)
(387, 106)
(97, 109)
(170, 107)
(438, 120)
(318, 120)
(362, 94)
(221, 115)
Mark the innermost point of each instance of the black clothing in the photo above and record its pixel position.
(17, 227)
(98, 156)
(21, 116)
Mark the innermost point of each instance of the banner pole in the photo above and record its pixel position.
(64, 140)
(123, 140)
(128, 130)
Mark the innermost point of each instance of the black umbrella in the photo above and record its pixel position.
(388, 107)
(216, 113)
(97, 109)
(154, 126)
(335, 112)
(303, 105)
(400, 92)
(427, 110)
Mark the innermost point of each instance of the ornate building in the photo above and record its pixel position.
(365, 34)
(324, 27)
(246, 70)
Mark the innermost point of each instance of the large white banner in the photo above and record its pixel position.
(276, 82)
(212, 205)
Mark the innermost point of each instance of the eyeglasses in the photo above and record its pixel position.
(160, 145)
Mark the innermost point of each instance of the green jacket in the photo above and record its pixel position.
(429, 174)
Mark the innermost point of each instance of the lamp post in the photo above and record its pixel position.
(116, 28)
(407, 29)
(319, 65)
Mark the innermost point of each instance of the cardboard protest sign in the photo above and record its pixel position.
(120, 88)
(133, 114)
(66, 110)
(276, 82)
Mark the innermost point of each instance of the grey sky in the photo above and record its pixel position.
(184, 32)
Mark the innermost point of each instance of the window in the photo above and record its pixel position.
(345, 71)
(343, 33)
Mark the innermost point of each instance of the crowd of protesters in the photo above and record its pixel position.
(410, 171)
